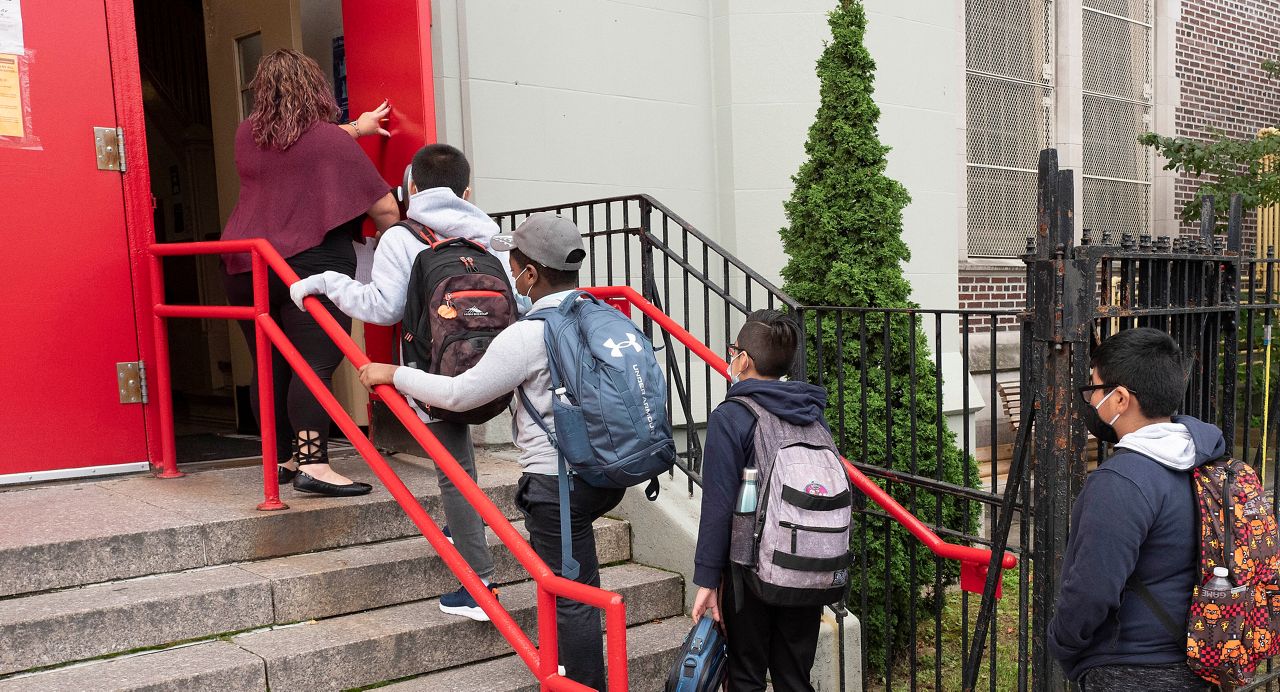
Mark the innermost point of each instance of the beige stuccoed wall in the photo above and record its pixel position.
(705, 105)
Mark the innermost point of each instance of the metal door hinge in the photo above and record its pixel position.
(132, 381)
(109, 144)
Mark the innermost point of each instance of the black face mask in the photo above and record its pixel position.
(1098, 427)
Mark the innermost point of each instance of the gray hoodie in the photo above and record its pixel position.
(517, 357)
(381, 301)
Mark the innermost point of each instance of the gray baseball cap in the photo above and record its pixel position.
(548, 239)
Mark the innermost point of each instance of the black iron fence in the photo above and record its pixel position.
(941, 412)
(916, 621)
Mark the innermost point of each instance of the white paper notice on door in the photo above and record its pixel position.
(11, 40)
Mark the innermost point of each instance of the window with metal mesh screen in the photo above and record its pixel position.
(1116, 62)
(1002, 211)
(1116, 105)
(1117, 206)
(1005, 122)
(1009, 49)
(1111, 131)
(1132, 9)
(1006, 38)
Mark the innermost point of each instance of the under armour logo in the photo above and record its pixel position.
(617, 347)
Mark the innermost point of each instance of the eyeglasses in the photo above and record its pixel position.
(1086, 392)
(735, 349)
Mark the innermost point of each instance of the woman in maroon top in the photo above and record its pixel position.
(306, 186)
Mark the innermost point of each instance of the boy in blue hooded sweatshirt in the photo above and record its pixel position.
(440, 200)
(762, 638)
(1134, 518)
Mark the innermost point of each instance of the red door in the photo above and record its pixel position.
(388, 50)
(69, 304)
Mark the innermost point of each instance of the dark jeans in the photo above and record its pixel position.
(578, 625)
(762, 637)
(296, 408)
(1169, 677)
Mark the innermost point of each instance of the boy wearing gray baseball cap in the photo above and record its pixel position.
(546, 252)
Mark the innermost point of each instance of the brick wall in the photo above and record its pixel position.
(1220, 48)
(990, 288)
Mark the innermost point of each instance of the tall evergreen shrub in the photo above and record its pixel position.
(845, 248)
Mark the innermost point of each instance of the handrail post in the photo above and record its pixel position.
(548, 636)
(168, 466)
(266, 391)
(615, 618)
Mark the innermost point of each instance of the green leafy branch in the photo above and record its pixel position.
(1226, 166)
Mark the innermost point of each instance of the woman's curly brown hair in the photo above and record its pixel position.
(290, 94)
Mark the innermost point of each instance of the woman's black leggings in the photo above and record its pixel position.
(302, 426)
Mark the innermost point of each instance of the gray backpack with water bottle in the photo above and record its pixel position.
(793, 549)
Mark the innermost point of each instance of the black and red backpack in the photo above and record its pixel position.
(458, 300)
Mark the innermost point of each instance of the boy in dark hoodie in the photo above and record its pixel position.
(1135, 517)
(762, 638)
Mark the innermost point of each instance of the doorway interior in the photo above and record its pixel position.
(197, 58)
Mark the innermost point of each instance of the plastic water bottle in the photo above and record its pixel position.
(1218, 585)
(748, 494)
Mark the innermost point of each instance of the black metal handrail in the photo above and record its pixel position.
(636, 241)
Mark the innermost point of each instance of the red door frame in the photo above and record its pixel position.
(391, 37)
(126, 78)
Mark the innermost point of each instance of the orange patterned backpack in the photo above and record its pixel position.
(1230, 631)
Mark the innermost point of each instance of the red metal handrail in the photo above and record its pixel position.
(542, 660)
(974, 562)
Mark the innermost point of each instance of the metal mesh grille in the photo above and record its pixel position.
(1006, 38)
(1116, 106)
(1138, 10)
(1006, 122)
(1009, 45)
(1111, 131)
(1002, 211)
(1119, 207)
(1116, 59)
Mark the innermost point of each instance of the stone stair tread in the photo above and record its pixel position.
(142, 525)
(109, 618)
(343, 580)
(370, 647)
(216, 665)
(651, 652)
(102, 619)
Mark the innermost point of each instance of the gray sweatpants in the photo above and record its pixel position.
(465, 525)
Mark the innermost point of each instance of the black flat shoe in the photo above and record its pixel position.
(307, 484)
(284, 474)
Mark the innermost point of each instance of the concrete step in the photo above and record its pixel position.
(213, 666)
(400, 641)
(78, 624)
(85, 533)
(347, 651)
(651, 653)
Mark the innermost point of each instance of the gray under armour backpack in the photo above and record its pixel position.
(609, 403)
(794, 549)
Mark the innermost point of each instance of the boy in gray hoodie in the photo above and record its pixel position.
(439, 199)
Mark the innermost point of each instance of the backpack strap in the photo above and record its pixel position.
(1135, 585)
(569, 567)
(420, 231)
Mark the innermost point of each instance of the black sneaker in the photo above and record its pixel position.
(447, 535)
(461, 603)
